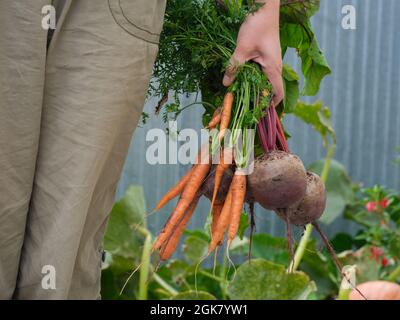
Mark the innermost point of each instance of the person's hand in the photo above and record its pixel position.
(258, 40)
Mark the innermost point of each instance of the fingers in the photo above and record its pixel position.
(272, 71)
(236, 60)
(274, 75)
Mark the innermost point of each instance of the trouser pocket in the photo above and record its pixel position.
(140, 18)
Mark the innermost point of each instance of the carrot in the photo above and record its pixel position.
(238, 196)
(216, 213)
(216, 118)
(226, 114)
(174, 191)
(180, 185)
(224, 163)
(223, 222)
(169, 246)
(200, 171)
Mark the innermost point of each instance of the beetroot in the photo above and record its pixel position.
(278, 180)
(311, 207)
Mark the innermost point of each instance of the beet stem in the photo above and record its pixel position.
(279, 141)
(335, 258)
(261, 134)
(289, 239)
(273, 127)
(282, 133)
(267, 119)
(252, 227)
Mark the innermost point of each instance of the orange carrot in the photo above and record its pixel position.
(180, 185)
(226, 114)
(223, 222)
(216, 213)
(224, 163)
(174, 191)
(216, 119)
(194, 183)
(169, 246)
(238, 197)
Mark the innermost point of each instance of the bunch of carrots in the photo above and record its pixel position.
(225, 214)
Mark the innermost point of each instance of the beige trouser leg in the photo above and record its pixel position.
(98, 67)
(22, 65)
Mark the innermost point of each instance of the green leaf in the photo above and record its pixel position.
(318, 116)
(197, 233)
(264, 280)
(114, 277)
(122, 236)
(298, 11)
(341, 242)
(314, 68)
(291, 35)
(264, 246)
(339, 189)
(291, 86)
(193, 295)
(320, 269)
(243, 225)
(270, 248)
(195, 248)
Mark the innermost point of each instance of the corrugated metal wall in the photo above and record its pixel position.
(362, 92)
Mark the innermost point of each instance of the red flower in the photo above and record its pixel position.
(375, 253)
(370, 206)
(384, 203)
(385, 262)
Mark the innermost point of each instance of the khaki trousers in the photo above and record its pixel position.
(67, 115)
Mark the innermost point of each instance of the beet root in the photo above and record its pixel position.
(278, 180)
(311, 207)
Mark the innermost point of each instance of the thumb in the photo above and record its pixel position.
(235, 61)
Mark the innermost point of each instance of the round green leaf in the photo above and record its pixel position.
(195, 248)
(263, 280)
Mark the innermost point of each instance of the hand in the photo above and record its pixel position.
(258, 40)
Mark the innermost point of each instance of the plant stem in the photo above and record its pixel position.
(144, 268)
(298, 256)
(211, 276)
(223, 275)
(301, 248)
(343, 294)
(394, 274)
(327, 163)
(164, 284)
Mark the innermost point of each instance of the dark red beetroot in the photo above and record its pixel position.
(278, 180)
(311, 207)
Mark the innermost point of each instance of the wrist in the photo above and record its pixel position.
(271, 6)
(271, 11)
